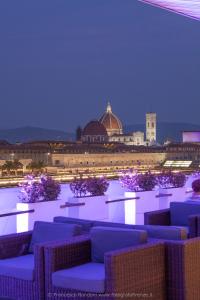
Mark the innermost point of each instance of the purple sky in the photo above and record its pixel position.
(61, 61)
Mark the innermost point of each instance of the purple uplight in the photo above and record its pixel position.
(190, 8)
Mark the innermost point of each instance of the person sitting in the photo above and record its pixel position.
(196, 191)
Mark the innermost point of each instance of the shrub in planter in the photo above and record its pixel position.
(97, 186)
(196, 186)
(30, 191)
(147, 181)
(50, 189)
(163, 180)
(79, 187)
(91, 186)
(128, 180)
(45, 189)
(177, 180)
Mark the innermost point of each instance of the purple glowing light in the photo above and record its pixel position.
(190, 8)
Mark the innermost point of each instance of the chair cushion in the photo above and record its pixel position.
(164, 232)
(46, 232)
(153, 231)
(88, 277)
(112, 224)
(85, 224)
(105, 239)
(21, 267)
(180, 212)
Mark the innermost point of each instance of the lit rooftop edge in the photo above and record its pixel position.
(189, 8)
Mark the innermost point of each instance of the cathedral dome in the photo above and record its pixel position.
(94, 131)
(94, 128)
(111, 122)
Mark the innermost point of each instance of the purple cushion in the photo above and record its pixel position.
(153, 231)
(180, 212)
(47, 232)
(85, 224)
(105, 239)
(88, 277)
(21, 267)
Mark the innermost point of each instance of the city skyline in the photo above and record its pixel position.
(59, 69)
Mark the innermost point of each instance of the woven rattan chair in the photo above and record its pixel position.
(132, 272)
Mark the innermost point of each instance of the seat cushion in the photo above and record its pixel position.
(105, 239)
(21, 267)
(85, 224)
(46, 232)
(180, 212)
(88, 277)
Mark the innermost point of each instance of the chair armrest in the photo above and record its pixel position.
(183, 265)
(14, 244)
(193, 225)
(197, 225)
(158, 217)
(63, 255)
(139, 270)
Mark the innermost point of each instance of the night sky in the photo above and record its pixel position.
(62, 60)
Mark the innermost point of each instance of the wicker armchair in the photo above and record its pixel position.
(22, 259)
(16, 245)
(183, 212)
(133, 272)
(183, 269)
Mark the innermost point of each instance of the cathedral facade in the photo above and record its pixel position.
(109, 128)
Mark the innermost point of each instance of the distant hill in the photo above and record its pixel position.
(165, 131)
(26, 134)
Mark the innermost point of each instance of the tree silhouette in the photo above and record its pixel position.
(36, 166)
(78, 133)
(12, 166)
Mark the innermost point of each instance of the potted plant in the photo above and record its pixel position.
(141, 193)
(171, 187)
(89, 200)
(41, 195)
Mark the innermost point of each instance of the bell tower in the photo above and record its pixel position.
(151, 127)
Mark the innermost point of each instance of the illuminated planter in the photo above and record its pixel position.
(140, 203)
(43, 211)
(91, 208)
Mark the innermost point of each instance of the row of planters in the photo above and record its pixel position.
(152, 192)
(148, 191)
(40, 195)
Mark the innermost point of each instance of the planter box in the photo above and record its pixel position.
(91, 208)
(140, 203)
(43, 211)
(166, 196)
